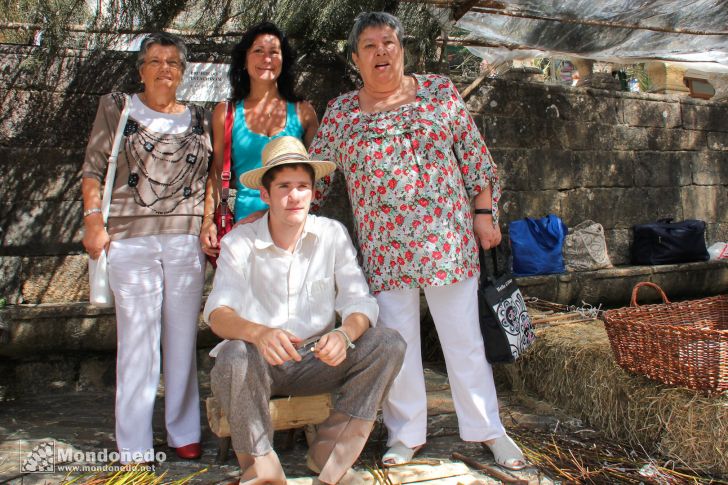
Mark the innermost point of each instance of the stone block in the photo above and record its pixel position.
(35, 174)
(717, 141)
(511, 132)
(41, 228)
(613, 286)
(10, 279)
(497, 99)
(619, 243)
(704, 116)
(616, 207)
(97, 373)
(587, 106)
(518, 204)
(53, 373)
(708, 203)
(536, 170)
(46, 119)
(666, 78)
(641, 112)
(630, 138)
(675, 139)
(663, 169)
(70, 328)
(578, 135)
(54, 279)
(716, 232)
(596, 168)
(27, 68)
(710, 168)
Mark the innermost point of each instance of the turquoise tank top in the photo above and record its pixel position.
(247, 148)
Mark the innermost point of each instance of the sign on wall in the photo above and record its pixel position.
(204, 81)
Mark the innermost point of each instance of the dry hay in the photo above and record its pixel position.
(572, 366)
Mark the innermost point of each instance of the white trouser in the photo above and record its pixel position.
(454, 309)
(157, 283)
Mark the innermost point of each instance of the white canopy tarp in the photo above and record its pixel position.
(621, 31)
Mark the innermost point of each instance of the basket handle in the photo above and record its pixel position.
(636, 288)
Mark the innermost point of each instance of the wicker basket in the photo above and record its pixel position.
(682, 344)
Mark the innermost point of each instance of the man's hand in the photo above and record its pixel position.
(277, 346)
(487, 234)
(331, 349)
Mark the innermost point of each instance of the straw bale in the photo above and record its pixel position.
(572, 366)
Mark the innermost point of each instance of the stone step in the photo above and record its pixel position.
(64, 280)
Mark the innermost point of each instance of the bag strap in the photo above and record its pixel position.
(226, 174)
(488, 275)
(111, 168)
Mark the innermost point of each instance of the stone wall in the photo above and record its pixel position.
(614, 157)
(617, 158)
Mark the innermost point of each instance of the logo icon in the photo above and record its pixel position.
(41, 459)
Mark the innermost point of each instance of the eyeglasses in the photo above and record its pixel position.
(156, 64)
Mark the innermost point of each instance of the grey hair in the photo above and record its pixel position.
(163, 39)
(374, 19)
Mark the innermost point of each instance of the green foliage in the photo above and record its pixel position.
(315, 25)
(55, 15)
(639, 72)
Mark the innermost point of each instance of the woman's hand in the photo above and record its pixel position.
(208, 238)
(487, 234)
(252, 217)
(96, 239)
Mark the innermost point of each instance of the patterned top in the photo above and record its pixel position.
(411, 173)
(159, 187)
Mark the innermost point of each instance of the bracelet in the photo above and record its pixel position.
(484, 211)
(93, 210)
(349, 343)
(212, 215)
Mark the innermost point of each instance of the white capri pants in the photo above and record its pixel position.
(157, 283)
(454, 309)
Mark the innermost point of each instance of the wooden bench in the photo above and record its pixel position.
(285, 413)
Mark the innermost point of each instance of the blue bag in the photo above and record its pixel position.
(536, 245)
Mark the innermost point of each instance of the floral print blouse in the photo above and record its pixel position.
(411, 173)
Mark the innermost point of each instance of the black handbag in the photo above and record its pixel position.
(666, 242)
(504, 322)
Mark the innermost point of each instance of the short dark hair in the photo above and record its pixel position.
(163, 39)
(374, 19)
(239, 77)
(270, 175)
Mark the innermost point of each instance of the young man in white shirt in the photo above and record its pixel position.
(279, 282)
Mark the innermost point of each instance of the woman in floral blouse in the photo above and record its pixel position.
(415, 165)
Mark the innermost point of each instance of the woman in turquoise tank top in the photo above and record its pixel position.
(266, 107)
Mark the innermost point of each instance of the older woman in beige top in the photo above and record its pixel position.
(156, 267)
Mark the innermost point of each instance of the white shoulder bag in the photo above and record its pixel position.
(100, 294)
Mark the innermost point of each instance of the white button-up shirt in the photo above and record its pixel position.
(300, 292)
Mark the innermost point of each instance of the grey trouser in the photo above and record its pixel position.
(243, 382)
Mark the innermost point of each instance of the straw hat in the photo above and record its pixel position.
(284, 151)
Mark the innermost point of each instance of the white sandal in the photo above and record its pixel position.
(399, 454)
(507, 453)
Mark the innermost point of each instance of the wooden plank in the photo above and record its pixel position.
(285, 413)
(407, 474)
(294, 412)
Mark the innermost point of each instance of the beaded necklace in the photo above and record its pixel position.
(164, 167)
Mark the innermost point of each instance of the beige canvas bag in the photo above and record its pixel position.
(585, 248)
